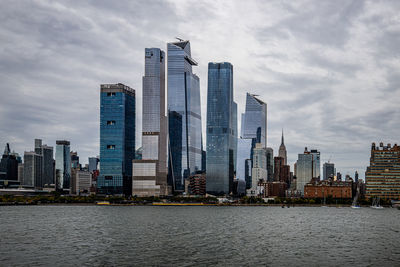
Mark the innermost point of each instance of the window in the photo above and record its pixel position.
(110, 122)
(110, 146)
(110, 94)
(108, 177)
(210, 130)
(224, 130)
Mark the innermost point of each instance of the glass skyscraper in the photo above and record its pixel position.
(184, 115)
(63, 165)
(221, 129)
(304, 170)
(150, 172)
(117, 139)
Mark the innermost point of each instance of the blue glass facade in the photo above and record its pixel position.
(63, 164)
(185, 135)
(117, 139)
(221, 126)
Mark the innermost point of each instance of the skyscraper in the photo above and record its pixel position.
(221, 126)
(328, 170)
(93, 163)
(282, 151)
(259, 170)
(63, 165)
(32, 169)
(270, 164)
(184, 115)
(150, 172)
(47, 162)
(304, 170)
(383, 174)
(316, 163)
(8, 165)
(117, 139)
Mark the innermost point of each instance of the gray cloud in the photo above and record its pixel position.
(327, 69)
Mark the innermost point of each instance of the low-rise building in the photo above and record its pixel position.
(328, 188)
(197, 184)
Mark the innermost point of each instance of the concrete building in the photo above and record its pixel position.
(383, 174)
(81, 181)
(48, 171)
(8, 165)
(259, 170)
(154, 130)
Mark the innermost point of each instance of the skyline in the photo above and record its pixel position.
(283, 61)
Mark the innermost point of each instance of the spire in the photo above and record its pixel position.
(282, 137)
(7, 149)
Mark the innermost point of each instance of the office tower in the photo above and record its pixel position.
(139, 153)
(47, 162)
(75, 160)
(282, 151)
(117, 139)
(304, 170)
(278, 168)
(383, 174)
(255, 116)
(328, 170)
(356, 177)
(221, 136)
(259, 169)
(184, 115)
(316, 163)
(80, 181)
(8, 165)
(150, 172)
(63, 165)
(93, 163)
(243, 154)
(32, 169)
(270, 164)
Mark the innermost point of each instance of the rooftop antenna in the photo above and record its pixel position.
(180, 40)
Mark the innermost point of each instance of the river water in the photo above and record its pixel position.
(205, 235)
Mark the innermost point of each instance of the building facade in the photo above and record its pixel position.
(47, 162)
(328, 170)
(63, 165)
(304, 170)
(259, 169)
(221, 135)
(316, 163)
(184, 115)
(154, 130)
(328, 188)
(117, 139)
(32, 170)
(8, 165)
(383, 174)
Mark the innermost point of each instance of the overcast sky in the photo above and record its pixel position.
(329, 70)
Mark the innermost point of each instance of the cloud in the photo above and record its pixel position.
(327, 69)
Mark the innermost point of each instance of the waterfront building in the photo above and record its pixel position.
(32, 169)
(117, 139)
(63, 165)
(383, 174)
(328, 188)
(93, 163)
(81, 181)
(149, 174)
(243, 155)
(239, 187)
(197, 184)
(184, 115)
(259, 170)
(221, 135)
(304, 170)
(328, 170)
(8, 165)
(47, 162)
(282, 151)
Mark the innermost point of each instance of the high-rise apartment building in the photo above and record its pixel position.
(47, 162)
(150, 172)
(93, 163)
(383, 174)
(184, 115)
(32, 169)
(117, 139)
(328, 170)
(221, 129)
(63, 165)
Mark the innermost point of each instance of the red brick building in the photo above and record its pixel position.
(328, 188)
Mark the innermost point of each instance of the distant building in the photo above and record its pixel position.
(197, 184)
(8, 165)
(239, 187)
(117, 139)
(75, 160)
(152, 167)
(279, 162)
(328, 170)
(304, 170)
(273, 189)
(328, 188)
(81, 181)
(383, 174)
(93, 163)
(259, 170)
(316, 163)
(47, 162)
(63, 165)
(356, 177)
(32, 170)
(184, 115)
(221, 135)
(338, 176)
(270, 164)
(282, 151)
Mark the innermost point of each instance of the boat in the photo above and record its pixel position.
(376, 203)
(103, 203)
(355, 204)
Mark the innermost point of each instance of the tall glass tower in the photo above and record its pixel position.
(184, 115)
(63, 165)
(117, 139)
(221, 129)
(150, 173)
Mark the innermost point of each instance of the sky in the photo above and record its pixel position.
(328, 70)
